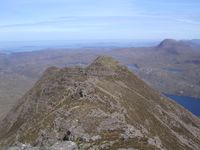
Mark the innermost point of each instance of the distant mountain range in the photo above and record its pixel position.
(28, 46)
(102, 106)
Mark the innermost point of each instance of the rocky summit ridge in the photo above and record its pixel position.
(102, 106)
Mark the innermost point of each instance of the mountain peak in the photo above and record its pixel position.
(104, 65)
(106, 61)
(171, 43)
(174, 47)
(167, 43)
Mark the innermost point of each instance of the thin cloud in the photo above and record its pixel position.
(189, 21)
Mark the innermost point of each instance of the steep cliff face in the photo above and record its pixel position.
(102, 106)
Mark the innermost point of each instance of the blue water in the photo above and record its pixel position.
(133, 66)
(173, 70)
(190, 103)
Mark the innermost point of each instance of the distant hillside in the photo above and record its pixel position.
(171, 67)
(195, 43)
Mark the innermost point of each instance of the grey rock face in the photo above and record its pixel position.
(126, 149)
(68, 145)
(22, 147)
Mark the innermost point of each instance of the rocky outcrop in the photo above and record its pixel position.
(68, 145)
(102, 106)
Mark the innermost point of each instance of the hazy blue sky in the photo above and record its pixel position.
(98, 19)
